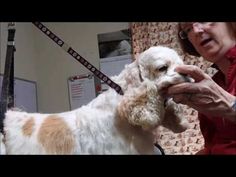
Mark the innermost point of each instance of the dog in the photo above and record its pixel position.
(111, 123)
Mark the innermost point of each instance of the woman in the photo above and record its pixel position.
(214, 98)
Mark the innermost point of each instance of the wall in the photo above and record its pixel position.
(39, 59)
(54, 65)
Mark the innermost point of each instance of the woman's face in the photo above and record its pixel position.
(210, 39)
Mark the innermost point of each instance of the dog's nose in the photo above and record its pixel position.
(186, 77)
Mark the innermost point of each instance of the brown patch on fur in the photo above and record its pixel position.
(28, 127)
(55, 136)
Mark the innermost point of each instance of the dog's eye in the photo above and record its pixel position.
(163, 68)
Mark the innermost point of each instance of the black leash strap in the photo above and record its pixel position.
(160, 148)
(79, 58)
(7, 94)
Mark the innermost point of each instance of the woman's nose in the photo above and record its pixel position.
(197, 27)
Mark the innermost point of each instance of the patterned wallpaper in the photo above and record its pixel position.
(146, 34)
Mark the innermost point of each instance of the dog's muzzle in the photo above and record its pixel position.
(186, 78)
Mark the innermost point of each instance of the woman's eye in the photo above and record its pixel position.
(187, 30)
(163, 68)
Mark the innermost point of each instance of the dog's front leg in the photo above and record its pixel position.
(2, 145)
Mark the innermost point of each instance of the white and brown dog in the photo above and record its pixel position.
(111, 123)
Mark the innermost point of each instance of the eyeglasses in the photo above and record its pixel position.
(188, 26)
(183, 35)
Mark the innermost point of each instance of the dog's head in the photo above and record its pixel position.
(158, 64)
(143, 104)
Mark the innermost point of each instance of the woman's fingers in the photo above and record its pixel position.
(179, 98)
(193, 71)
(183, 88)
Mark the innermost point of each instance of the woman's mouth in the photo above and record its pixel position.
(206, 41)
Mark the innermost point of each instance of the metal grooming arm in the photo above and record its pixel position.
(7, 94)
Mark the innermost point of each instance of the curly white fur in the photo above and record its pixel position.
(111, 123)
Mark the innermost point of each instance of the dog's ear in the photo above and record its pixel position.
(131, 76)
(142, 107)
(174, 117)
(142, 66)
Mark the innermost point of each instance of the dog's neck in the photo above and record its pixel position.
(135, 137)
(139, 139)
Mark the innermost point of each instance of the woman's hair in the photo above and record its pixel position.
(187, 46)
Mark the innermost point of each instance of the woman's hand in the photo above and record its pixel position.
(204, 94)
